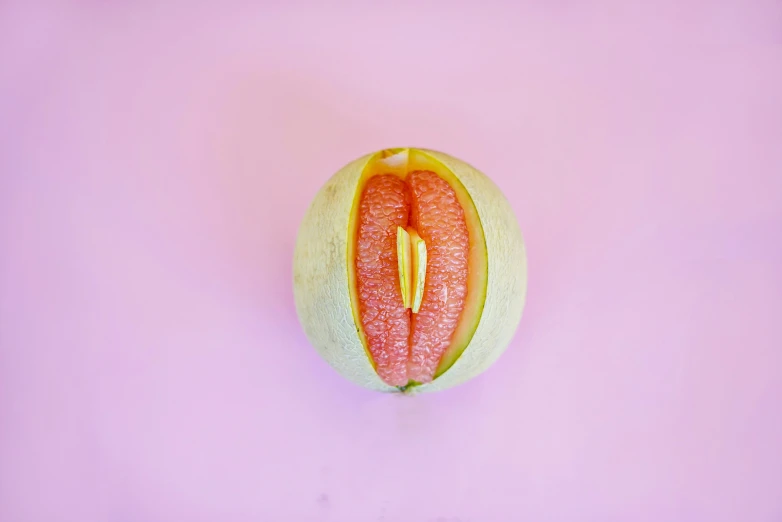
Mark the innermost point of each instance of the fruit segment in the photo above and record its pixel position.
(439, 219)
(384, 207)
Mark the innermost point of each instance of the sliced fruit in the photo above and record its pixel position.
(409, 271)
(439, 219)
(384, 319)
(478, 261)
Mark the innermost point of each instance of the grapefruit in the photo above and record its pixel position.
(409, 271)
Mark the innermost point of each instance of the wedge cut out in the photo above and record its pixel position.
(418, 266)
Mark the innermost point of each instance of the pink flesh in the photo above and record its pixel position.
(384, 206)
(403, 351)
(439, 218)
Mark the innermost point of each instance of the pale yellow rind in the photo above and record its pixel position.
(322, 293)
(418, 262)
(404, 258)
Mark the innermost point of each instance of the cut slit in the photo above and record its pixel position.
(409, 347)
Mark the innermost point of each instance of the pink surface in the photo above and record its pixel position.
(155, 164)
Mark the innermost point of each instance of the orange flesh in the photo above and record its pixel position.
(406, 346)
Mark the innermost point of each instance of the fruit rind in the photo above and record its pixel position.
(404, 264)
(417, 269)
(322, 287)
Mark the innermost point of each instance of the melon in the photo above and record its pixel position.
(409, 271)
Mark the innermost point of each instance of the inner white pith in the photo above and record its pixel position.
(411, 260)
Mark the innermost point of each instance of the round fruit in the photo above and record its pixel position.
(410, 271)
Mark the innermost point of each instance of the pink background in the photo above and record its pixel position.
(155, 164)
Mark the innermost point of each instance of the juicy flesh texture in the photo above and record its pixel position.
(406, 346)
(385, 205)
(439, 219)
